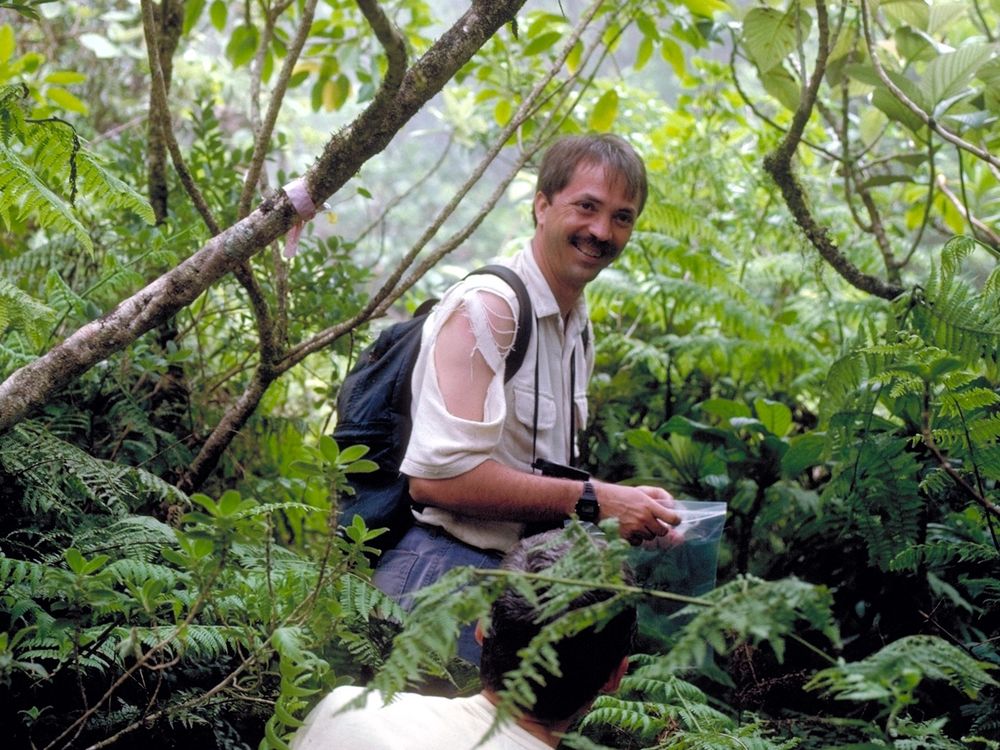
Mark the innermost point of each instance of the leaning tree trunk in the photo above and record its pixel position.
(36, 383)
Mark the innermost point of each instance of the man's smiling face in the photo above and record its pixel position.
(582, 228)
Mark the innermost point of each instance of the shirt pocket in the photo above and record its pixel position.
(524, 409)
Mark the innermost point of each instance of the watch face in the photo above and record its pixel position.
(586, 509)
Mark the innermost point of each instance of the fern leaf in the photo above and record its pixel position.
(24, 193)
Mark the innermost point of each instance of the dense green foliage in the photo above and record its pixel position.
(812, 341)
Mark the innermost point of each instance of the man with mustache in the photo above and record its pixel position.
(475, 438)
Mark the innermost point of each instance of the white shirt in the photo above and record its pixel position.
(443, 446)
(409, 722)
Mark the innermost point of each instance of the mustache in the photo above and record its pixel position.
(604, 247)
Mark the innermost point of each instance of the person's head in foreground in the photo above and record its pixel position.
(590, 662)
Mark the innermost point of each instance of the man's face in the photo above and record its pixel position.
(583, 228)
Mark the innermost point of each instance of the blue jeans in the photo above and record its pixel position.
(423, 555)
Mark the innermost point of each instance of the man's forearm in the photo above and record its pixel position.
(498, 492)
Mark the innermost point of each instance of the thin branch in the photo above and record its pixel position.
(410, 190)
(158, 89)
(390, 39)
(991, 236)
(779, 165)
(925, 118)
(263, 134)
(945, 464)
(33, 384)
(389, 292)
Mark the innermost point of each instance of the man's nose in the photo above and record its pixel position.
(600, 227)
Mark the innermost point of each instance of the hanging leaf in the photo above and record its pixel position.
(947, 75)
(674, 55)
(217, 12)
(542, 43)
(605, 112)
(779, 83)
(242, 45)
(192, 12)
(775, 416)
(66, 100)
(770, 35)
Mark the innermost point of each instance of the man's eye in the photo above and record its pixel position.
(625, 219)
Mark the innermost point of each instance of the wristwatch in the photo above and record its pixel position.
(587, 507)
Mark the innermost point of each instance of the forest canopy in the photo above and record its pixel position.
(207, 209)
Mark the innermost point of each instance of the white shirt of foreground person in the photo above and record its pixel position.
(409, 722)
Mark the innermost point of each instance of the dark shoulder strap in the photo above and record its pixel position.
(525, 316)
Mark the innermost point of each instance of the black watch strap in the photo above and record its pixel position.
(587, 507)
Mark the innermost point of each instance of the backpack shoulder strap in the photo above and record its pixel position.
(525, 317)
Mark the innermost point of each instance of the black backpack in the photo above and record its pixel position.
(373, 409)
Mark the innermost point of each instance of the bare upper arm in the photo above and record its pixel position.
(470, 348)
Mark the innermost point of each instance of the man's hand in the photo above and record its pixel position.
(642, 512)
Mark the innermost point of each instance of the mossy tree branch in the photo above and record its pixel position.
(779, 165)
(35, 383)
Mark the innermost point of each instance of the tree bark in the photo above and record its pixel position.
(34, 384)
(169, 22)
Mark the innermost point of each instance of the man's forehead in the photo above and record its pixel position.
(612, 184)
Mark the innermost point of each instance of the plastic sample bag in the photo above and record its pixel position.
(687, 568)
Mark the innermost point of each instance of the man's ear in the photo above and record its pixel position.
(480, 633)
(539, 206)
(616, 677)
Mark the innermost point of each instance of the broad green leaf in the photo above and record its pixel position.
(913, 46)
(942, 15)
(352, 453)
(914, 13)
(64, 77)
(74, 559)
(770, 35)
(724, 408)
(217, 12)
(949, 74)
(574, 58)
(542, 43)
(329, 449)
(502, 112)
(66, 100)
(871, 125)
(643, 53)
(335, 92)
(775, 416)
(779, 83)
(242, 45)
(364, 466)
(192, 12)
(674, 55)
(602, 118)
(229, 503)
(6, 43)
(803, 451)
(707, 8)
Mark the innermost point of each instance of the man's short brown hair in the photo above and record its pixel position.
(610, 151)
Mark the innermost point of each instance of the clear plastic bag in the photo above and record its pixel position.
(685, 567)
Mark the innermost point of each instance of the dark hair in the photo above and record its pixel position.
(604, 149)
(586, 659)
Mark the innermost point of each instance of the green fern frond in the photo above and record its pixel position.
(24, 194)
(942, 553)
(901, 666)
(750, 610)
(20, 311)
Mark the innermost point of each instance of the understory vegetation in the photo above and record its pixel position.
(804, 327)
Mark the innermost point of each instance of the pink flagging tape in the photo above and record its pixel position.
(304, 207)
